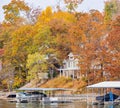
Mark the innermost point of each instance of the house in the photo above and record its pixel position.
(70, 67)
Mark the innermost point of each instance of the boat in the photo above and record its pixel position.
(37, 94)
(24, 97)
(11, 97)
(107, 97)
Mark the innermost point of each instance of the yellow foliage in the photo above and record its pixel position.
(68, 17)
(46, 15)
(17, 81)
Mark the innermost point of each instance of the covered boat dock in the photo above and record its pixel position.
(104, 85)
(51, 97)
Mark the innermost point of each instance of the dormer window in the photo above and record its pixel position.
(71, 56)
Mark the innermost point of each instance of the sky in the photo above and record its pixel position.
(84, 7)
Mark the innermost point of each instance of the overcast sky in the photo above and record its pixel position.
(85, 6)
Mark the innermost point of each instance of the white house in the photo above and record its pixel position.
(70, 67)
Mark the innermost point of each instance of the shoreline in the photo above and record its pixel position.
(73, 97)
(3, 95)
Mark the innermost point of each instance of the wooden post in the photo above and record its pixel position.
(63, 73)
(87, 96)
(67, 73)
(73, 75)
(92, 96)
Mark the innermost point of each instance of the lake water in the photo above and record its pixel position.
(5, 104)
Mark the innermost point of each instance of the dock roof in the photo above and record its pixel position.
(44, 89)
(106, 84)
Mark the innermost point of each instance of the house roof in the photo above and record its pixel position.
(106, 84)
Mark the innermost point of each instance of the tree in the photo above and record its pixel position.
(85, 36)
(13, 10)
(7, 76)
(20, 42)
(112, 9)
(45, 15)
(16, 51)
(32, 15)
(36, 63)
(114, 48)
(59, 26)
(114, 35)
(55, 34)
(72, 4)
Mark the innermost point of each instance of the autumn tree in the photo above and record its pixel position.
(72, 4)
(17, 49)
(50, 37)
(112, 9)
(114, 49)
(1, 38)
(59, 26)
(45, 15)
(14, 10)
(25, 40)
(7, 76)
(5, 38)
(14, 18)
(53, 35)
(85, 37)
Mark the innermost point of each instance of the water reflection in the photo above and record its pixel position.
(103, 106)
(111, 106)
(28, 105)
(67, 105)
(53, 105)
(5, 104)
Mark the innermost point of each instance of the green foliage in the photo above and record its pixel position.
(84, 79)
(110, 10)
(36, 63)
(71, 7)
(42, 38)
(1, 44)
(72, 4)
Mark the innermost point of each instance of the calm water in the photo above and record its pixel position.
(5, 104)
